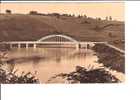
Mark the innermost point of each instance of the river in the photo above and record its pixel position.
(47, 62)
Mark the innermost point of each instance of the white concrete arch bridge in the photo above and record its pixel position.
(53, 39)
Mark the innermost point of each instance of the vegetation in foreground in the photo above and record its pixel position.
(82, 75)
(10, 77)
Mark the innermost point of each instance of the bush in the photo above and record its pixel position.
(82, 75)
(85, 22)
(33, 13)
(8, 11)
(8, 77)
(12, 78)
(97, 28)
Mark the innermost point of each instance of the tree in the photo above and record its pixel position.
(99, 19)
(106, 18)
(85, 16)
(33, 12)
(8, 11)
(73, 15)
(79, 16)
(110, 18)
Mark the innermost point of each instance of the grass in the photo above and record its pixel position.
(110, 58)
(33, 27)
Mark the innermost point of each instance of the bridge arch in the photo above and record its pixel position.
(57, 35)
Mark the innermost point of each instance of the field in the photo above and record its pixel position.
(31, 27)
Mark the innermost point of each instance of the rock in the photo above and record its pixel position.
(80, 69)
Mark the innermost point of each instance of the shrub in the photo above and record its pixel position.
(8, 77)
(8, 11)
(33, 13)
(82, 75)
(12, 78)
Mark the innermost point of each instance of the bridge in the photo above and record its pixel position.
(54, 39)
(59, 40)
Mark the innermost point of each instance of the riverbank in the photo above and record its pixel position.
(111, 69)
(92, 75)
(9, 76)
(118, 43)
(110, 57)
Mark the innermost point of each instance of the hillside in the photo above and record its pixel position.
(19, 27)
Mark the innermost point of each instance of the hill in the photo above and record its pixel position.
(21, 27)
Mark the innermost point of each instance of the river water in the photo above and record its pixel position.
(47, 62)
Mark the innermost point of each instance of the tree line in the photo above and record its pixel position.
(108, 18)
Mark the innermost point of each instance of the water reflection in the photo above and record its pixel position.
(48, 62)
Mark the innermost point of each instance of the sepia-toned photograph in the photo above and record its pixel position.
(62, 43)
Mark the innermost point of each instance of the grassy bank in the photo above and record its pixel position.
(110, 57)
(31, 27)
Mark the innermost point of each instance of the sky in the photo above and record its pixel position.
(91, 9)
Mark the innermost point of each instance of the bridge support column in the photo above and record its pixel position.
(92, 45)
(27, 45)
(10, 45)
(88, 46)
(19, 46)
(85, 46)
(34, 45)
(77, 46)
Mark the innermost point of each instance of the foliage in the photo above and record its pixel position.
(10, 77)
(97, 28)
(82, 75)
(110, 58)
(8, 11)
(33, 12)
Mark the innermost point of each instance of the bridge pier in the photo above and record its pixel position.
(10, 46)
(88, 46)
(27, 46)
(34, 46)
(77, 46)
(19, 46)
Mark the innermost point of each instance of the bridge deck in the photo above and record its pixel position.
(40, 42)
(37, 42)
